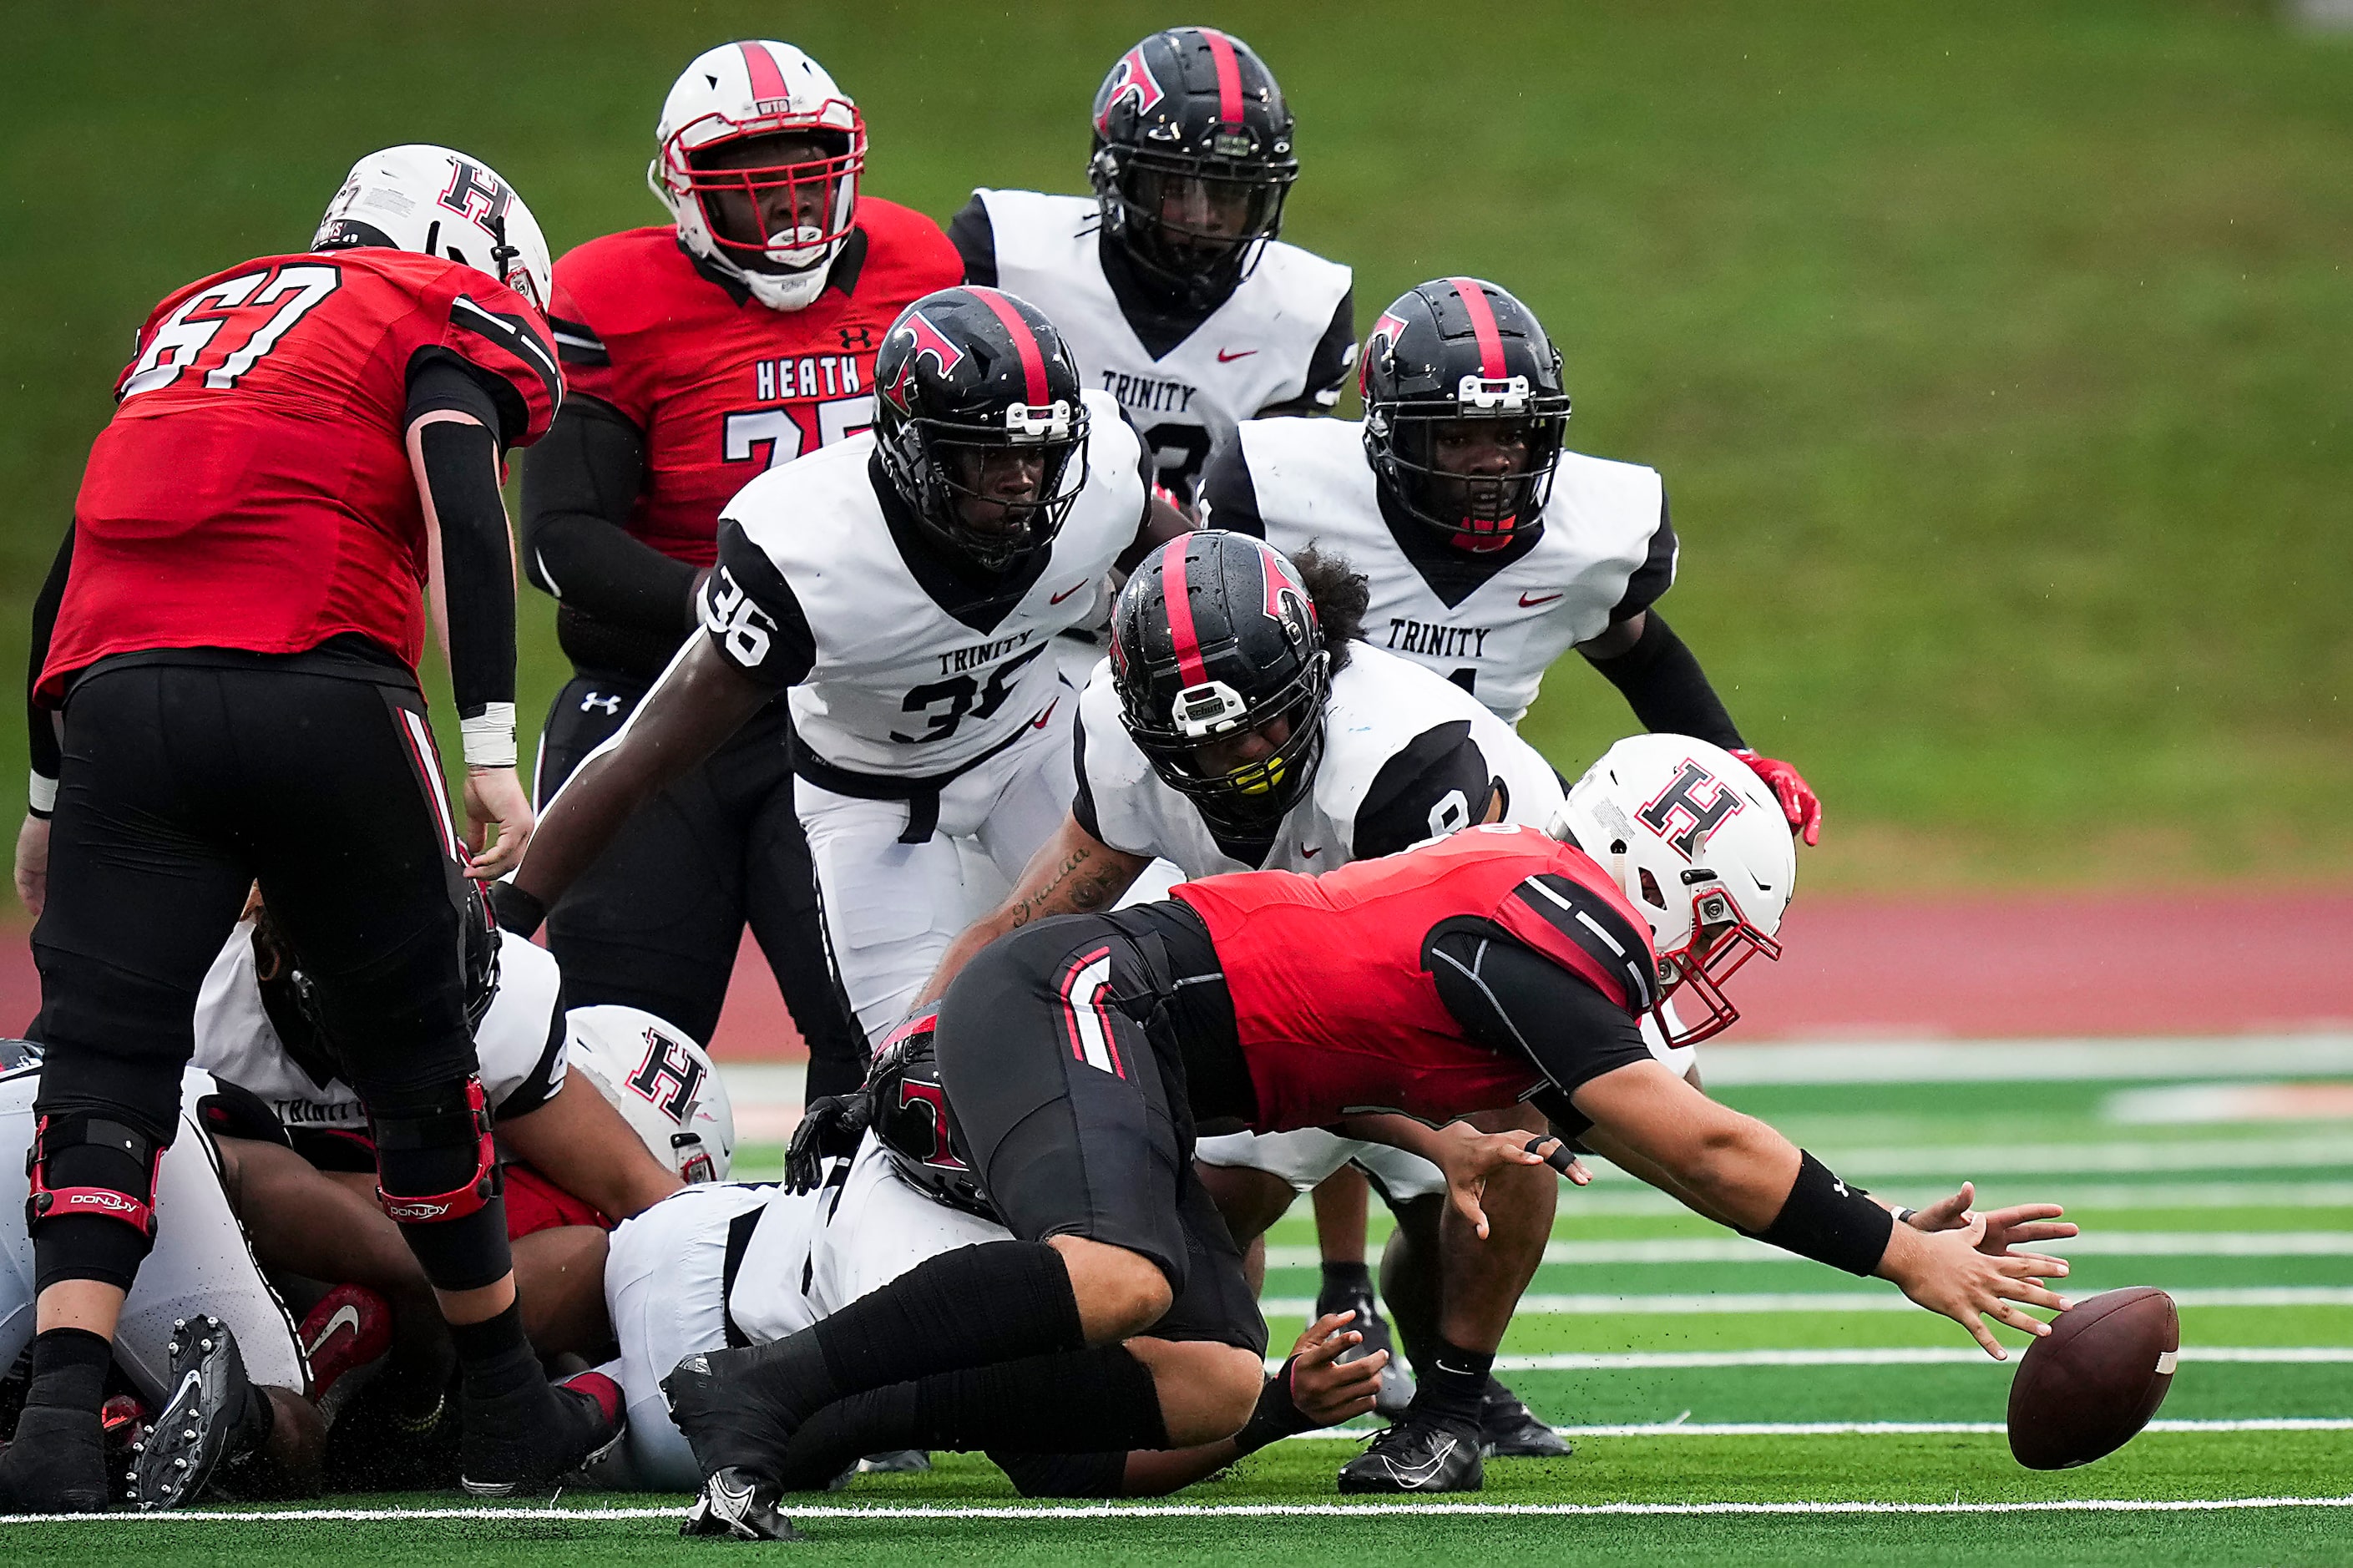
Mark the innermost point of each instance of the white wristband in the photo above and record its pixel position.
(41, 794)
(489, 741)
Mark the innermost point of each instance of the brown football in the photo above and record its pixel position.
(2083, 1389)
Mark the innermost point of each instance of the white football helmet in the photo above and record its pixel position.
(761, 87)
(429, 199)
(1701, 846)
(663, 1084)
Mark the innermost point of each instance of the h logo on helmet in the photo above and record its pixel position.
(476, 195)
(669, 1078)
(924, 339)
(1702, 814)
(1132, 77)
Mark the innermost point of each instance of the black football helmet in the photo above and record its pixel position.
(1451, 350)
(979, 423)
(909, 1113)
(1212, 637)
(1192, 104)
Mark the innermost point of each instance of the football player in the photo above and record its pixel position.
(874, 1191)
(901, 588)
(1237, 725)
(1490, 548)
(302, 443)
(1495, 965)
(701, 354)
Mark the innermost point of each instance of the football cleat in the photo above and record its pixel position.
(1417, 1455)
(535, 1436)
(1508, 1429)
(726, 1420)
(897, 1462)
(345, 1338)
(1395, 1391)
(196, 1430)
(735, 1505)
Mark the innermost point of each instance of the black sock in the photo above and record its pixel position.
(1098, 1400)
(70, 1369)
(254, 1425)
(494, 1355)
(1344, 1284)
(999, 1302)
(1452, 1383)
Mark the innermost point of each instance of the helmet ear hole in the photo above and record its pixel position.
(1650, 894)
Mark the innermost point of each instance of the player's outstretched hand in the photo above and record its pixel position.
(495, 801)
(1326, 1389)
(33, 862)
(1947, 1271)
(1468, 1156)
(1789, 786)
(2004, 1228)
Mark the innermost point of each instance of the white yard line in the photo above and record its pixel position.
(1197, 1510)
(2030, 1061)
(1924, 1356)
(1867, 1428)
(1576, 1203)
(2106, 1244)
(2005, 1162)
(1887, 1301)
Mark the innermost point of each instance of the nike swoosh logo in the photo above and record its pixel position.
(346, 1316)
(1226, 358)
(1064, 594)
(188, 1385)
(1413, 1476)
(1039, 721)
(1528, 604)
(1311, 854)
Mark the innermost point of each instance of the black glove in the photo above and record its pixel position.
(829, 1130)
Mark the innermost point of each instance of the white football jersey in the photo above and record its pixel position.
(1492, 626)
(519, 1040)
(1406, 756)
(813, 591)
(1256, 349)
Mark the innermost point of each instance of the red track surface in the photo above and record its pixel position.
(1968, 968)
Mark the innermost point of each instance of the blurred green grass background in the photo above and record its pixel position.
(1996, 356)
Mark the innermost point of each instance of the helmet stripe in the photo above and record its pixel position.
(1482, 321)
(1025, 340)
(1229, 75)
(767, 80)
(1180, 612)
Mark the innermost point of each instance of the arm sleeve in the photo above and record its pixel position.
(1518, 1002)
(1669, 692)
(975, 239)
(752, 614)
(1229, 498)
(1437, 783)
(513, 351)
(461, 475)
(40, 723)
(578, 489)
(1655, 575)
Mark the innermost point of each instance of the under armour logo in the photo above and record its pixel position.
(1703, 812)
(594, 701)
(668, 1077)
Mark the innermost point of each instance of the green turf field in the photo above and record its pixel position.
(1993, 354)
(1726, 1405)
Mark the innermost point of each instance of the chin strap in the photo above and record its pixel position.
(52, 1135)
(434, 1131)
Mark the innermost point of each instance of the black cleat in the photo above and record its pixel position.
(207, 1400)
(1395, 1391)
(56, 1463)
(1508, 1429)
(735, 1505)
(1419, 1454)
(728, 1423)
(529, 1439)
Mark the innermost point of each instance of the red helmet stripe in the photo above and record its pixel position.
(1024, 341)
(1229, 75)
(1482, 321)
(767, 80)
(1180, 613)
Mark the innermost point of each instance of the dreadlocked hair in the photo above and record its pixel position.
(1340, 595)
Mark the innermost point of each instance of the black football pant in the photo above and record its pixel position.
(656, 922)
(181, 785)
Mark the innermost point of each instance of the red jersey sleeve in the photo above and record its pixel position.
(589, 318)
(494, 329)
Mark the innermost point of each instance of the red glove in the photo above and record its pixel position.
(1796, 796)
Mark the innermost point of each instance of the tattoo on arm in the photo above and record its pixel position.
(1081, 883)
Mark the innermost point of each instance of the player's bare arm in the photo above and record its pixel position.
(700, 701)
(1467, 1155)
(1160, 523)
(577, 1140)
(1073, 873)
(1313, 1389)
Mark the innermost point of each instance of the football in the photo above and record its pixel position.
(2087, 1387)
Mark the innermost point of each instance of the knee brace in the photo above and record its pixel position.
(438, 1178)
(88, 1167)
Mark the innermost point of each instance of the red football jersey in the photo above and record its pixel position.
(1335, 1011)
(723, 386)
(253, 489)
